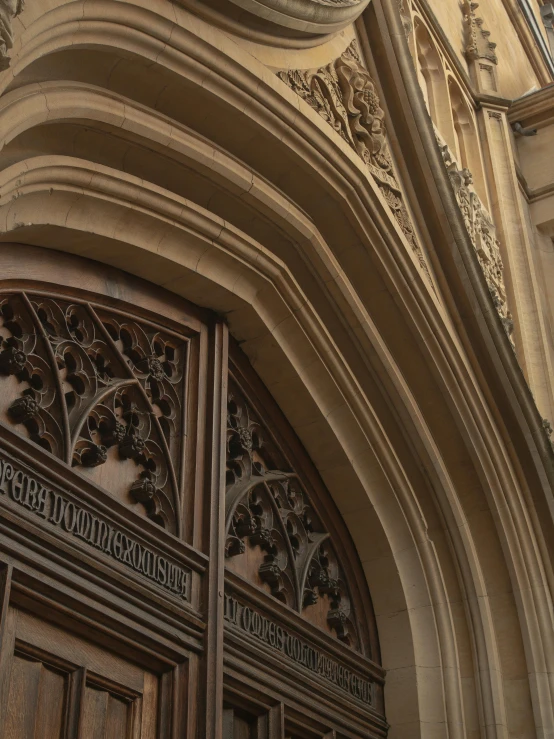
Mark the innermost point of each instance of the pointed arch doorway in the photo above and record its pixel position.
(171, 563)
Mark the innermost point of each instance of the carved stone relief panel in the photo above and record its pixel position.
(275, 537)
(100, 390)
(482, 232)
(9, 9)
(344, 95)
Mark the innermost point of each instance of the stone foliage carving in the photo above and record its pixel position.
(479, 45)
(344, 95)
(95, 388)
(9, 9)
(268, 511)
(405, 17)
(482, 232)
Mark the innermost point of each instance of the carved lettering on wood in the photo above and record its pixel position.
(273, 526)
(55, 508)
(255, 624)
(99, 390)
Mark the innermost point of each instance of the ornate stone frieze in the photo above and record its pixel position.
(479, 45)
(344, 95)
(9, 9)
(274, 534)
(482, 232)
(99, 390)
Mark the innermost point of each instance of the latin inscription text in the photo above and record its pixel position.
(29, 493)
(261, 627)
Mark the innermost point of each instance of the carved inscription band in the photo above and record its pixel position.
(250, 621)
(29, 493)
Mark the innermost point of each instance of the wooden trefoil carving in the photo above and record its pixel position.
(273, 527)
(344, 95)
(96, 388)
(482, 232)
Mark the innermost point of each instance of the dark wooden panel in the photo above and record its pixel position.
(60, 685)
(37, 700)
(123, 447)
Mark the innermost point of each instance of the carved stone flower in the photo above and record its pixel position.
(338, 620)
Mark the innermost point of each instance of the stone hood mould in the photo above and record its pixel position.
(305, 16)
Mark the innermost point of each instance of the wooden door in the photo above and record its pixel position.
(171, 564)
(56, 685)
(103, 504)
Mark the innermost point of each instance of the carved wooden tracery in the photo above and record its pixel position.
(117, 399)
(97, 388)
(274, 527)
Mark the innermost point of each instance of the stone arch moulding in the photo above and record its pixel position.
(280, 19)
(468, 145)
(239, 278)
(414, 613)
(431, 67)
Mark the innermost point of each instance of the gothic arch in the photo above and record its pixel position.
(433, 78)
(467, 140)
(356, 354)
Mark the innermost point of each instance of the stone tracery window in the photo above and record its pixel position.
(432, 78)
(467, 139)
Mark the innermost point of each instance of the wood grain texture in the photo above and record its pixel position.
(87, 653)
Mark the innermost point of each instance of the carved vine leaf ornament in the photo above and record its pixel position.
(9, 9)
(92, 387)
(479, 45)
(344, 95)
(268, 510)
(405, 17)
(482, 232)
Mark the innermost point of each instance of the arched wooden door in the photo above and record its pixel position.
(171, 564)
